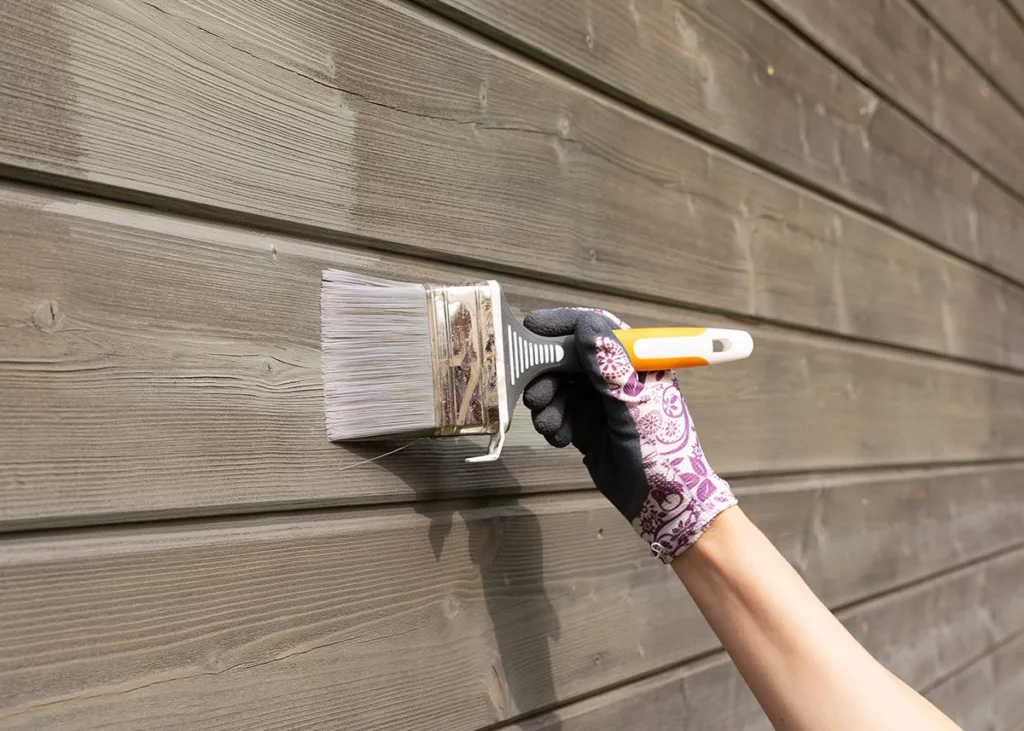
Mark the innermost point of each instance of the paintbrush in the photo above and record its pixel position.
(406, 359)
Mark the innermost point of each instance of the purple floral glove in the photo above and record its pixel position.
(634, 430)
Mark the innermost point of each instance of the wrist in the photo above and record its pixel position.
(715, 546)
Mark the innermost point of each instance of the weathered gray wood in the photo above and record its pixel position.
(990, 33)
(346, 119)
(134, 344)
(919, 634)
(1017, 6)
(943, 622)
(730, 70)
(389, 618)
(707, 695)
(913, 523)
(893, 46)
(989, 694)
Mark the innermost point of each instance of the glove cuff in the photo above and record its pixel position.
(683, 530)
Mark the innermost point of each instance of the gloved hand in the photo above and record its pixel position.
(634, 430)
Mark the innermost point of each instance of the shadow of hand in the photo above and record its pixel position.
(506, 544)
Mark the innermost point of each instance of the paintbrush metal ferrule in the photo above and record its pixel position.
(466, 356)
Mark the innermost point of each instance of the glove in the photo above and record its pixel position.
(634, 430)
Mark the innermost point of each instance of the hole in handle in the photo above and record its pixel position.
(721, 346)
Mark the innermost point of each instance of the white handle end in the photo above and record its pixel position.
(729, 345)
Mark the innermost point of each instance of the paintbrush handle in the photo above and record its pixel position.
(669, 348)
(650, 349)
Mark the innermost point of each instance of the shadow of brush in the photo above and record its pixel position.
(506, 545)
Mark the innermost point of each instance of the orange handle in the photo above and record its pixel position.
(667, 348)
(674, 354)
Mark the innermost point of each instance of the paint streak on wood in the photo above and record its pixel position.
(451, 162)
(154, 365)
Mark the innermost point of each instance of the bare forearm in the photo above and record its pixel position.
(804, 668)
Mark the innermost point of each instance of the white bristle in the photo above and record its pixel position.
(375, 338)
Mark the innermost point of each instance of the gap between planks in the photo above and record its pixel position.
(195, 329)
(648, 119)
(529, 52)
(275, 541)
(992, 81)
(29, 182)
(744, 486)
(891, 100)
(707, 660)
(973, 660)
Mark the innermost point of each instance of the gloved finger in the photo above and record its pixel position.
(539, 392)
(553, 323)
(549, 420)
(615, 321)
(585, 412)
(603, 358)
(562, 321)
(562, 437)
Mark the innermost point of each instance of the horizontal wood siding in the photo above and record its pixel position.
(895, 48)
(182, 547)
(477, 616)
(568, 186)
(732, 71)
(987, 694)
(214, 321)
(991, 36)
(709, 695)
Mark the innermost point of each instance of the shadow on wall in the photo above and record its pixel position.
(506, 545)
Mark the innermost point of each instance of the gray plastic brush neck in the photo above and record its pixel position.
(528, 355)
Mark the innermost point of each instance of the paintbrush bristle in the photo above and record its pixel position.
(375, 342)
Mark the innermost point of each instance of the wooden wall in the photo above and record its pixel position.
(183, 548)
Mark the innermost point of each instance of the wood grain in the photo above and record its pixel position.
(986, 696)
(153, 366)
(919, 634)
(706, 695)
(450, 617)
(897, 50)
(477, 156)
(943, 622)
(990, 34)
(912, 523)
(1017, 7)
(729, 70)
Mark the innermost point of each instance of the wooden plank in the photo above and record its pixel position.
(449, 617)
(451, 162)
(943, 622)
(893, 47)
(990, 34)
(710, 695)
(1017, 6)
(942, 514)
(730, 70)
(197, 365)
(987, 695)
